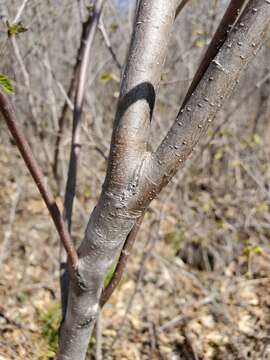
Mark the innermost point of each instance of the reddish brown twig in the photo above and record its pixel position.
(27, 154)
(229, 18)
(180, 7)
(122, 262)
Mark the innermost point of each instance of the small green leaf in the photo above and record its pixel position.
(109, 275)
(15, 29)
(257, 250)
(106, 76)
(257, 139)
(6, 84)
(114, 26)
(219, 154)
(109, 76)
(199, 43)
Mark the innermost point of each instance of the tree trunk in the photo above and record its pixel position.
(116, 213)
(135, 176)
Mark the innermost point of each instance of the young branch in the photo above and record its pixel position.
(180, 7)
(79, 98)
(72, 85)
(108, 44)
(78, 82)
(214, 88)
(26, 152)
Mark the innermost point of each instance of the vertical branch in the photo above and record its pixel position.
(72, 85)
(115, 215)
(79, 80)
(79, 98)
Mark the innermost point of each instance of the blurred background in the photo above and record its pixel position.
(197, 285)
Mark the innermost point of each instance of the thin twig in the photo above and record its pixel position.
(79, 98)
(229, 18)
(80, 78)
(39, 178)
(20, 11)
(235, 108)
(180, 7)
(108, 44)
(71, 89)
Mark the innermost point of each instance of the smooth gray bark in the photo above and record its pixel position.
(135, 176)
(214, 88)
(113, 217)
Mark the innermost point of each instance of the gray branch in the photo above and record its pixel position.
(115, 215)
(215, 87)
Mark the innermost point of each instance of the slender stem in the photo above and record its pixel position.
(72, 85)
(39, 178)
(108, 44)
(20, 11)
(80, 78)
(180, 7)
(79, 98)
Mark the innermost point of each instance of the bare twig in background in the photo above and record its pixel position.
(230, 16)
(180, 7)
(25, 74)
(83, 55)
(26, 152)
(236, 107)
(149, 246)
(108, 44)
(71, 89)
(20, 11)
(80, 78)
(79, 98)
